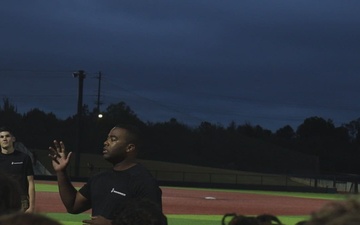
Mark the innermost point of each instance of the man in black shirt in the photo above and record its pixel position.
(19, 166)
(108, 191)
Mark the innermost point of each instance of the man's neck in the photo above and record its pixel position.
(7, 150)
(124, 165)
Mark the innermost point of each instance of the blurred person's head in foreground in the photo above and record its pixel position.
(140, 212)
(27, 219)
(344, 212)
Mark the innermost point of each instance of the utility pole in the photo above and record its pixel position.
(98, 103)
(81, 75)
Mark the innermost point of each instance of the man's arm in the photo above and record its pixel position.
(71, 198)
(31, 193)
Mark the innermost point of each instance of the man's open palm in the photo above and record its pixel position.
(60, 159)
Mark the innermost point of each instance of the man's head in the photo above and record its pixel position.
(140, 211)
(343, 212)
(7, 139)
(28, 219)
(122, 142)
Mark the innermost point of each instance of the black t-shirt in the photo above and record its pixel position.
(19, 166)
(108, 191)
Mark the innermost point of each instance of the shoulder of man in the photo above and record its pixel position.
(140, 173)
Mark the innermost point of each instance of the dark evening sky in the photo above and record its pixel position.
(268, 63)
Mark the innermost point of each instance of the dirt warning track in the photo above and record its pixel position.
(208, 202)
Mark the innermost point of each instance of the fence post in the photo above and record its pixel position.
(356, 188)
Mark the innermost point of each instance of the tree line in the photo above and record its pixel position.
(315, 146)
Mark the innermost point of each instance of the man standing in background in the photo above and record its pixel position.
(19, 166)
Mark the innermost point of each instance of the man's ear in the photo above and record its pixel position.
(13, 138)
(130, 148)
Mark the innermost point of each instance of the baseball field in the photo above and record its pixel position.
(194, 206)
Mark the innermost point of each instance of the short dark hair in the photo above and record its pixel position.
(7, 129)
(140, 211)
(133, 131)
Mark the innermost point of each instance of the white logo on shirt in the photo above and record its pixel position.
(117, 192)
(16, 163)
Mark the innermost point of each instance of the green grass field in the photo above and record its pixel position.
(68, 219)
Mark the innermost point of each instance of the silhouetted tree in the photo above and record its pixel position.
(254, 131)
(212, 143)
(10, 117)
(353, 128)
(247, 147)
(170, 141)
(285, 137)
(314, 134)
(120, 113)
(285, 133)
(39, 128)
(321, 138)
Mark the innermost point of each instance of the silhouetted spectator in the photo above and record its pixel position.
(263, 219)
(301, 222)
(27, 219)
(267, 219)
(346, 212)
(239, 220)
(140, 212)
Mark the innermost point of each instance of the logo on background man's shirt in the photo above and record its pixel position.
(117, 192)
(16, 163)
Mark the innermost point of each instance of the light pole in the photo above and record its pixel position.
(98, 103)
(81, 75)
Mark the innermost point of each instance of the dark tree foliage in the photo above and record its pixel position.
(353, 128)
(285, 133)
(210, 142)
(254, 131)
(41, 129)
(316, 133)
(9, 116)
(170, 140)
(244, 147)
(320, 137)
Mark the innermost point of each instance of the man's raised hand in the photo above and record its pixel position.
(60, 159)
